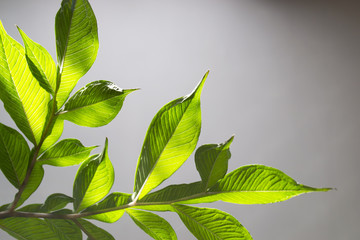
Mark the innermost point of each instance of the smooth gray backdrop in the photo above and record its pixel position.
(284, 79)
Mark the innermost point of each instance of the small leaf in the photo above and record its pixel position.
(95, 105)
(205, 223)
(55, 134)
(154, 225)
(40, 63)
(77, 43)
(93, 181)
(111, 202)
(171, 138)
(14, 155)
(94, 231)
(212, 162)
(67, 152)
(65, 229)
(56, 202)
(35, 207)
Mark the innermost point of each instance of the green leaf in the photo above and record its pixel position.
(93, 181)
(205, 223)
(77, 43)
(110, 204)
(94, 231)
(154, 225)
(56, 202)
(95, 105)
(55, 134)
(28, 229)
(67, 152)
(65, 229)
(35, 207)
(14, 155)
(40, 63)
(24, 99)
(171, 138)
(212, 162)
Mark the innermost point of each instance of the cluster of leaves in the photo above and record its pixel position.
(36, 92)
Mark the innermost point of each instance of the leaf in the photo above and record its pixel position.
(28, 228)
(23, 98)
(65, 229)
(171, 138)
(35, 207)
(67, 152)
(40, 63)
(95, 105)
(56, 202)
(93, 181)
(94, 231)
(154, 225)
(77, 43)
(55, 134)
(14, 155)
(212, 162)
(110, 203)
(205, 223)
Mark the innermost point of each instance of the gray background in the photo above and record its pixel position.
(284, 79)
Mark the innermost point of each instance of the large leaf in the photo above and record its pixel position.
(28, 229)
(94, 232)
(24, 99)
(67, 152)
(14, 155)
(110, 203)
(94, 180)
(40, 63)
(171, 138)
(154, 225)
(77, 43)
(210, 224)
(56, 202)
(65, 229)
(95, 105)
(212, 162)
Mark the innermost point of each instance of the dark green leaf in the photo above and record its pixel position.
(77, 43)
(95, 105)
(55, 202)
(67, 152)
(35, 207)
(14, 155)
(94, 231)
(171, 138)
(93, 181)
(65, 229)
(212, 162)
(210, 224)
(154, 225)
(111, 202)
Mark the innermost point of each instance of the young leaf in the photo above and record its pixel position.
(95, 105)
(23, 98)
(14, 155)
(212, 162)
(76, 43)
(113, 201)
(35, 207)
(55, 134)
(28, 228)
(67, 152)
(93, 181)
(154, 225)
(56, 202)
(171, 138)
(65, 229)
(205, 223)
(40, 63)
(94, 232)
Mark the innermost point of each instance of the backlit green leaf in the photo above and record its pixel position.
(77, 43)
(154, 225)
(65, 229)
(67, 152)
(171, 138)
(54, 135)
(211, 224)
(24, 99)
(93, 181)
(94, 231)
(95, 105)
(56, 202)
(14, 155)
(111, 202)
(40, 63)
(212, 162)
